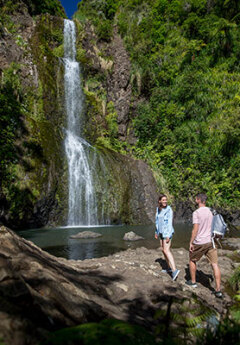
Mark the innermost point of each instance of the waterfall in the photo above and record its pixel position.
(82, 205)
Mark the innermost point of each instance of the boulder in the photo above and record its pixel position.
(232, 242)
(86, 234)
(131, 236)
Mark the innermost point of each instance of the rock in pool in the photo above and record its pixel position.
(131, 236)
(86, 234)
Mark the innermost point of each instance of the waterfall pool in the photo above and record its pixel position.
(57, 241)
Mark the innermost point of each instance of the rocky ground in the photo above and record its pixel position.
(41, 293)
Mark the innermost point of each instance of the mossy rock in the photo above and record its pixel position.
(35, 186)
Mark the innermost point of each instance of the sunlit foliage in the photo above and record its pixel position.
(185, 69)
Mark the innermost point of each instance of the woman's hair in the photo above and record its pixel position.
(160, 198)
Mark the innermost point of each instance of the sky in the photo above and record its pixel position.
(70, 6)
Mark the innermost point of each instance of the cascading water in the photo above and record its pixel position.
(82, 201)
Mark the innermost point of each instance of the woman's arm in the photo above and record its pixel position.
(156, 223)
(167, 231)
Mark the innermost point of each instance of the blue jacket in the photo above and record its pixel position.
(164, 221)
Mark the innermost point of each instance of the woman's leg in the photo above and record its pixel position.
(168, 255)
(166, 258)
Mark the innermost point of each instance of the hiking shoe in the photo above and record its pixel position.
(217, 294)
(175, 274)
(190, 283)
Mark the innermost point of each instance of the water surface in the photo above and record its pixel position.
(57, 241)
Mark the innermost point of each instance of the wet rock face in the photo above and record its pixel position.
(183, 212)
(145, 195)
(40, 293)
(131, 191)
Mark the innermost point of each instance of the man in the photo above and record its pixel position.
(201, 243)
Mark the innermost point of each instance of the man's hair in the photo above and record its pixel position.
(202, 197)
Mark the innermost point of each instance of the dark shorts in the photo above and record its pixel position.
(204, 249)
(163, 238)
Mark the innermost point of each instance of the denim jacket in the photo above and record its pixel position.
(164, 221)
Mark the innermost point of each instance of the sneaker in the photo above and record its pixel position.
(190, 283)
(175, 274)
(168, 270)
(218, 294)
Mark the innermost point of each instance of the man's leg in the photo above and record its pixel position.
(193, 269)
(213, 258)
(217, 275)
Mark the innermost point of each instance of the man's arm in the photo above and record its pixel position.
(194, 234)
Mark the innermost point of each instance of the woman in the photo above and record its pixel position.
(164, 231)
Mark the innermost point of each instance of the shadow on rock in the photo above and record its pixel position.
(201, 277)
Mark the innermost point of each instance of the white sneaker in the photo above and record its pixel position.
(175, 274)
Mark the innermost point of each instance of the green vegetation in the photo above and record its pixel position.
(185, 76)
(101, 14)
(10, 119)
(227, 331)
(183, 319)
(107, 332)
(234, 283)
(35, 7)
(52, 7)
(175, 328)
(13, 131)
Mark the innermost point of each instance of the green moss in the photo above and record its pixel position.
(103, 142)
(95, 126)
(81, 56)
(111, 119)
(59, 51)
(80, 29)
